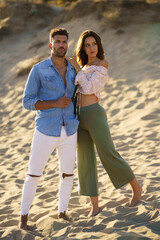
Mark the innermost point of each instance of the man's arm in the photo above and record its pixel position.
(31, 90)
(59, 103)
(30, 100)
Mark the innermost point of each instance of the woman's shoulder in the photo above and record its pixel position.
(103, 63)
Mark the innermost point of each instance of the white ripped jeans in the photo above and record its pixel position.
(42, 147)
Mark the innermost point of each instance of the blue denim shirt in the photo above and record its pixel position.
(45, 83)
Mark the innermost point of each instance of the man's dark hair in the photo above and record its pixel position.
(57, 31)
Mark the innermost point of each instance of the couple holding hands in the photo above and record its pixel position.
(55, 88)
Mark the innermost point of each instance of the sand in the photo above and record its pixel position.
(131, 99)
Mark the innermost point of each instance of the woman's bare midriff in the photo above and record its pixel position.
(86, 100)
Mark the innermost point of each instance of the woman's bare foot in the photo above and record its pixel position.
(137, 193)
(93, 212)
(23, 224)
(95, 208)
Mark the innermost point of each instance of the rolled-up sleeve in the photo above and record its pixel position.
(30, 95)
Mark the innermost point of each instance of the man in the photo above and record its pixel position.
(49, 90)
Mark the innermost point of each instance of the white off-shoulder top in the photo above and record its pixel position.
(91, 79)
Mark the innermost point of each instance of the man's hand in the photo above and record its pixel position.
(63, 101)
(59, 103)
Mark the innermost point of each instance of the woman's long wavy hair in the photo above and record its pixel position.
(82, 57)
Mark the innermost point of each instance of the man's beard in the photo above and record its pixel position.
(59, 54)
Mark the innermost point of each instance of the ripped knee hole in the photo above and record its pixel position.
(66, 175)
(32, 175)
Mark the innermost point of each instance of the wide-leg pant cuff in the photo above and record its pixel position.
(87, 194)
(117, 186)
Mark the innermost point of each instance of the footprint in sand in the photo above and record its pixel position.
(154, 226)
(150, 117)
(140, 106)
(38, 216)
(95, 228)
(5, 210)
(9, 223)
(45, 196)
(59, 225)
(122, 224)
(131, 103)
(114, 112)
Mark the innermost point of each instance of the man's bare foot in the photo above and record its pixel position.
(137, 195)
(63, 216)
(23, 224)
(93, 212)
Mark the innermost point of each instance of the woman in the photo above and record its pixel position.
(93, 129)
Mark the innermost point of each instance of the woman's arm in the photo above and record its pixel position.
(103, 63)
(74, 64)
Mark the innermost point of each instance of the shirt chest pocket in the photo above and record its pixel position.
(51, 82)
(71, 83)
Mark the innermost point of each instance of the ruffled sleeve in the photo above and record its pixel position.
(83, 82)
(99, 78)
(92, 79)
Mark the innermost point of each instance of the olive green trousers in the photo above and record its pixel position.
(94, 129)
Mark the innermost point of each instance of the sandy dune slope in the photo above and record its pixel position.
(132, 101)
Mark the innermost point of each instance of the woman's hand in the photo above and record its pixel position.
(74, 63)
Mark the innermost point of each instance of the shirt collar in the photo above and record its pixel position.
(69, 66)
